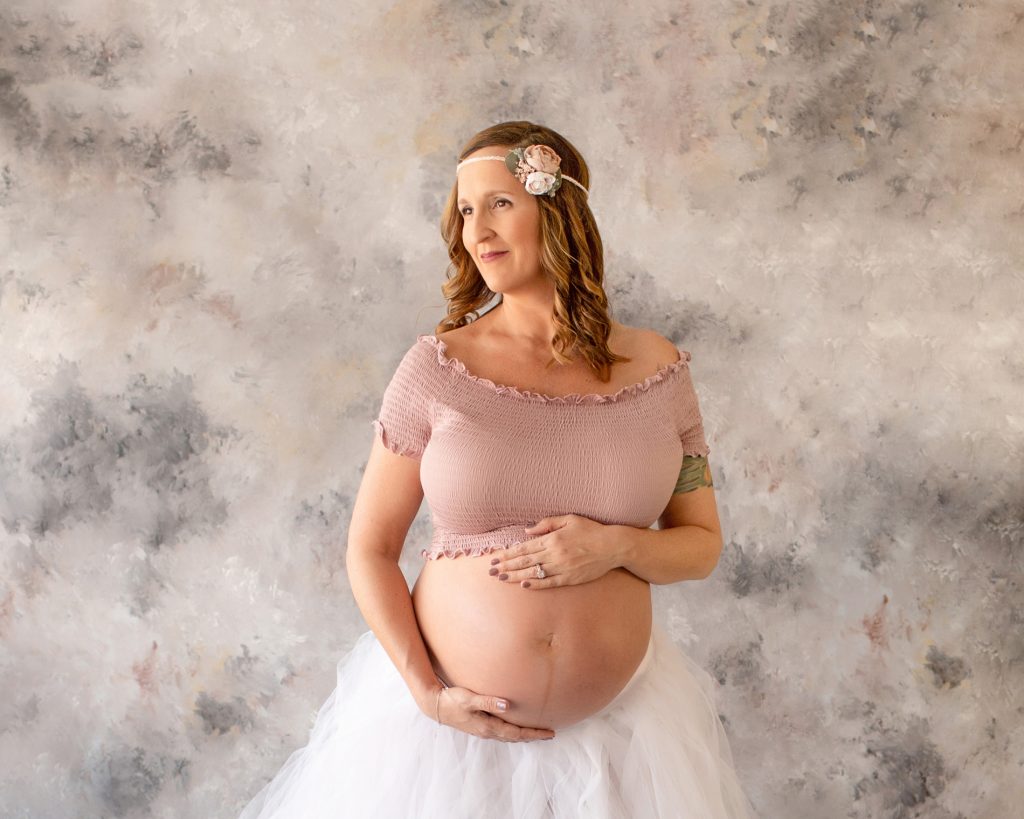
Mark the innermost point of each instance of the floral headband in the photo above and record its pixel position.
(535, 166)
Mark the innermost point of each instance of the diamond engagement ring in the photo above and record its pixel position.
(540, 572)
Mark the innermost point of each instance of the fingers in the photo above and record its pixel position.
(525, 574)
(491, 727)
(509, 565)
(495, 727)
(493, 705)
(477, 714)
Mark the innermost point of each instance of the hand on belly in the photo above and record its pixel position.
(557, 655)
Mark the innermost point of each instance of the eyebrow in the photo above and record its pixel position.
(463, 200)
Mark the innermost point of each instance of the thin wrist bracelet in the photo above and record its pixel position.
(437, 704)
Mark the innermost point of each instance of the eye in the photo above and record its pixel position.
(496, 203)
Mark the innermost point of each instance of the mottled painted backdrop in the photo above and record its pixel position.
(218, 233)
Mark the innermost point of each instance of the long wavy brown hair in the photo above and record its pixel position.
(571, 253)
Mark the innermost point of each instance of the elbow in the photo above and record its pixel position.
(350, 562)
(358, 551)
(359, 563)
(715, 553)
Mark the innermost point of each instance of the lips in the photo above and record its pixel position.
(489, 256)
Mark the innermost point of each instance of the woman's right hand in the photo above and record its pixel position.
(477, 714)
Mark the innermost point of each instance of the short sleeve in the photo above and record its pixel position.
(405, 417)
(689, 422)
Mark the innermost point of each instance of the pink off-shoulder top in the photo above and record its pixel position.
(495, 459)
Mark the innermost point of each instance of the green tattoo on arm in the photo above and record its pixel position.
(694, 474)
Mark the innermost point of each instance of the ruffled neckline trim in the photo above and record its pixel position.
(628, 391)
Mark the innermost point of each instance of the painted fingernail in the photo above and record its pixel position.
(494, 561)
(502, 576)
(494, 571)
(526, 584)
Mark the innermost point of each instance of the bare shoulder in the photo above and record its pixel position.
(455, 332)
(650, 346)
(664, 348)
(461, 341)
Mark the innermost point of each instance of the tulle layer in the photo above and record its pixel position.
(658, 750)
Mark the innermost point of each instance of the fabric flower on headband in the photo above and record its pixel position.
(537, 168)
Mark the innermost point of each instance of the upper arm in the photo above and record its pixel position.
(693, 503)
(386, 504)
(693, 500)
(390, 492)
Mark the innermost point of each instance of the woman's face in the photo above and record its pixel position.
(498, 215)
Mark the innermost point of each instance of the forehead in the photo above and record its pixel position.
(477, 177)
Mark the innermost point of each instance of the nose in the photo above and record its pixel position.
(477, 229)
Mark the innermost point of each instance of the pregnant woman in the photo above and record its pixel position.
(523, 675)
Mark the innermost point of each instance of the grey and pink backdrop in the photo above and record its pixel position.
(218, 233)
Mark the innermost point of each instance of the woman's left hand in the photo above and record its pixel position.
(572, 549)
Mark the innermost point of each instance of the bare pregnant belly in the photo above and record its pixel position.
(557, 655)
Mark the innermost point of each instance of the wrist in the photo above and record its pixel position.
(621, 544)
(427, 697)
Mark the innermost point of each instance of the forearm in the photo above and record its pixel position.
(382, 594)
(663, 556)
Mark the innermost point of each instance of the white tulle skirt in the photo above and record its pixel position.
(657, 750)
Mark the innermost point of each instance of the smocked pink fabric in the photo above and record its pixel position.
(495, 459)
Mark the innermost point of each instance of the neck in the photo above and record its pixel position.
(527, 322)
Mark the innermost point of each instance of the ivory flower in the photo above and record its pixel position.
(539, 182)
